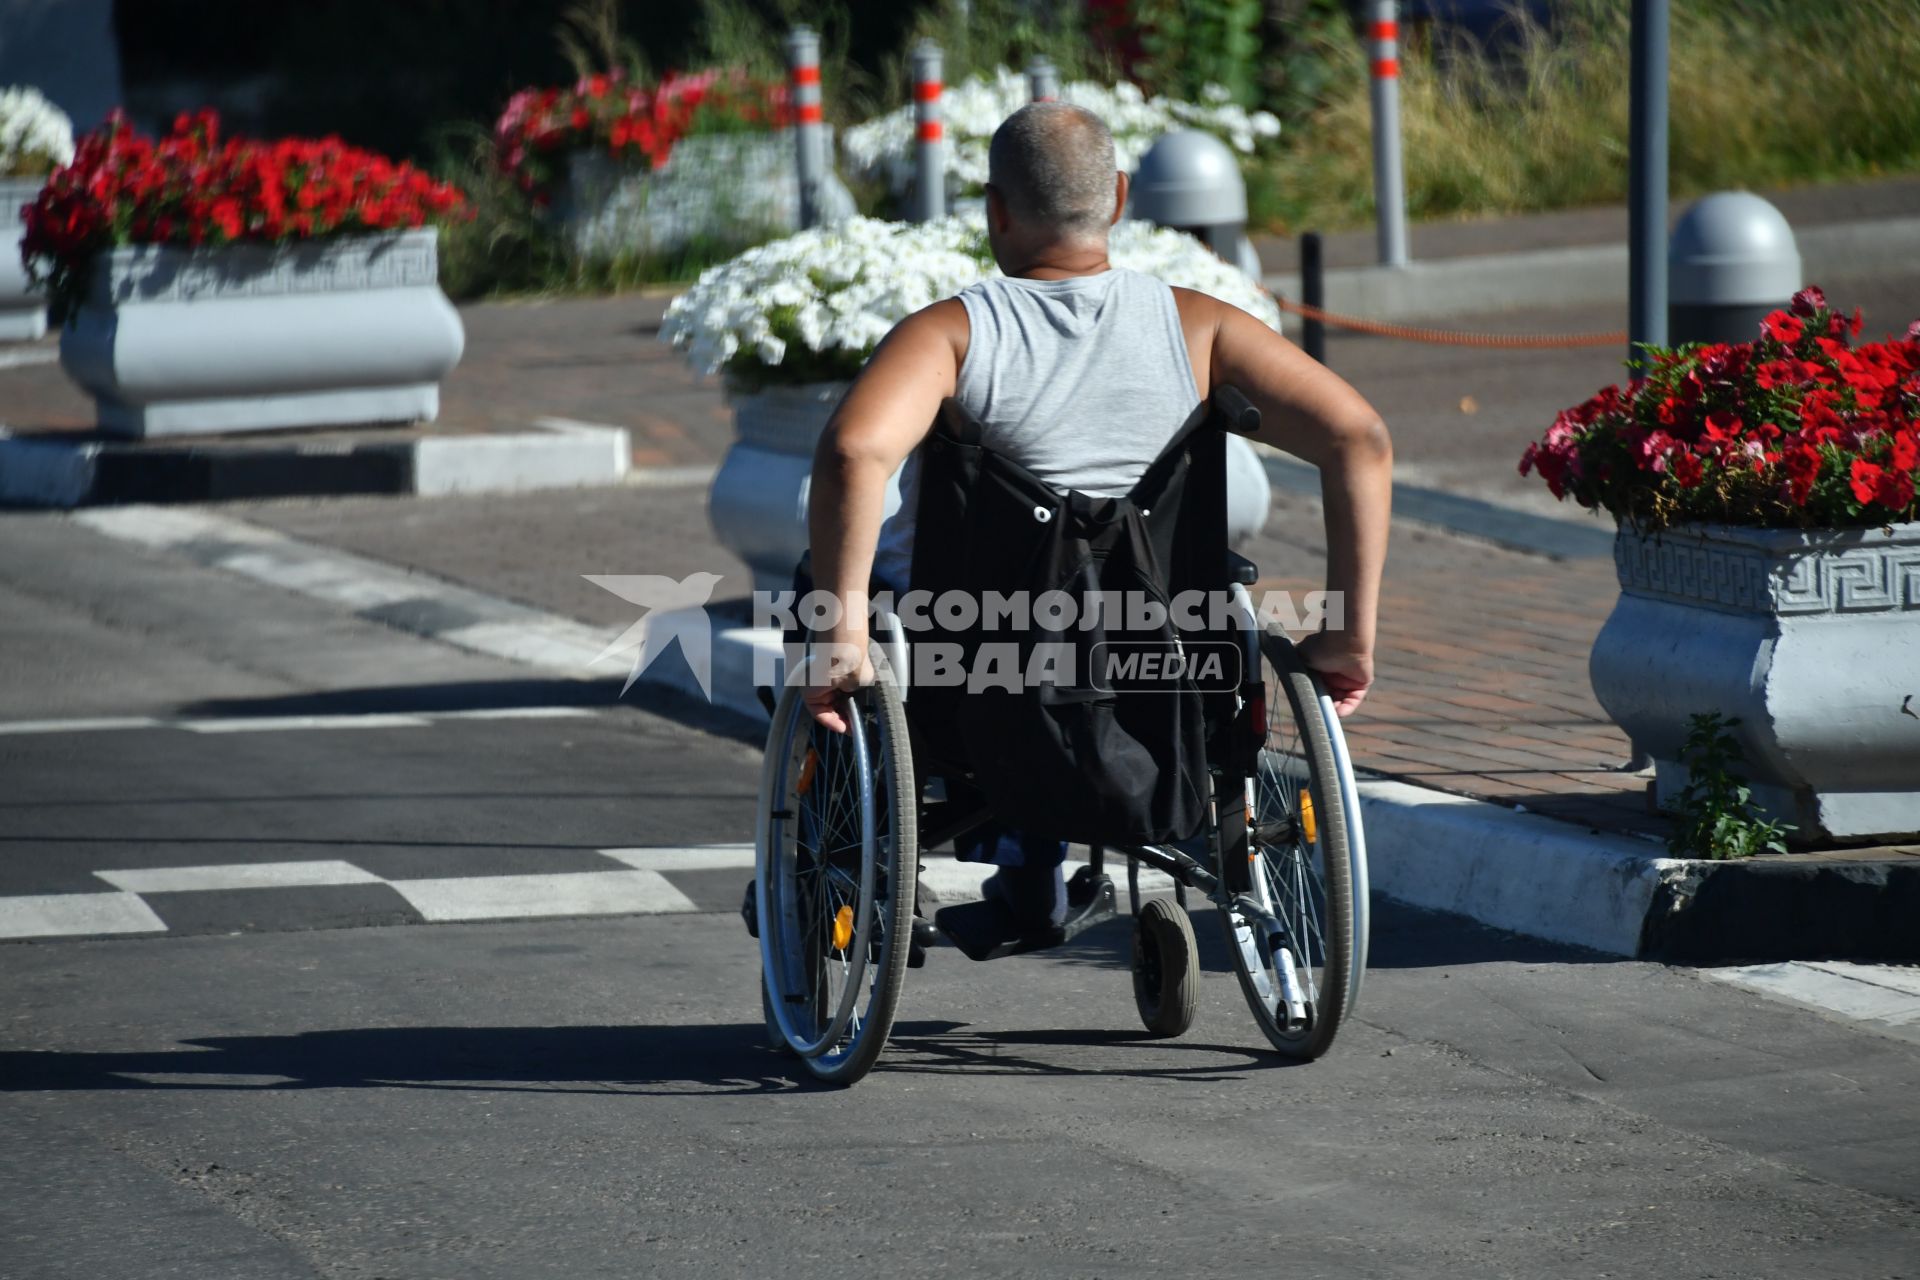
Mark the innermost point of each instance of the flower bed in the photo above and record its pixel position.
(193, 187)
(1796, 429)
(607, 115)
(35, 139)
(884, 147)
(35, 136)
(811, 308)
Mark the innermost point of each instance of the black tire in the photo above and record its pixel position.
(1166, 986)
(804, 899)
(1301, 868)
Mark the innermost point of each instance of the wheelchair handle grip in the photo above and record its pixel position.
(1235, 409)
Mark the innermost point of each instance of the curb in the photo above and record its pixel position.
(554, 453)
(1518, 871)
(1445, 288)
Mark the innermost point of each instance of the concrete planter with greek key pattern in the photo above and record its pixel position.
(340, 332)
(1812, 639)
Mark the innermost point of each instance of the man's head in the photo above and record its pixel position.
(1051, 182)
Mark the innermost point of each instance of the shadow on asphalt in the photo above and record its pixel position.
(1402, 937)
(936, 1048)
(702, 1059)
(656, 1060)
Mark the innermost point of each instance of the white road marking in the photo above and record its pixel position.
(568, 648)
(253, 724)
(28, 356)
(1884, 994)
(255, 875)
(170, 526)
(707, 857)
(513, 632)
(50, 915)
(581, 893)
(276, 724)
(93, 724)
(957, 881)
(695, 477)
(517, 713)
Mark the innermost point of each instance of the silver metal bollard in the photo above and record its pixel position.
(1043, 80)
(930, 150)
(803, 62)
(1191, 181)
(1389, 175)
(1731, 260)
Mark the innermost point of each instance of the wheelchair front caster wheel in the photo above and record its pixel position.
(1166, 985)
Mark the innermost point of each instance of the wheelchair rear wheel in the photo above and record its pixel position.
(1294, 929)
(836, 858)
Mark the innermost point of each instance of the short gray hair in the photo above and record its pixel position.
(1054, 166)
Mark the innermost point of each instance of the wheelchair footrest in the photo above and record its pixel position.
(989, 930)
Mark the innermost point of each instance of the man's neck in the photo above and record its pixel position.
(1063, 262)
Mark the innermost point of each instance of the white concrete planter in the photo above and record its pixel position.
(23, 309)
(1811, 639)
(758, 503)
(174, 341)
(730, 188)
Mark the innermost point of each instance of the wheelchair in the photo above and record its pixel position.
(843, 819)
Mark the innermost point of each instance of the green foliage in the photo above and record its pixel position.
(1193, 43)
(1764, 93)
(1713, 814)
(976, 36)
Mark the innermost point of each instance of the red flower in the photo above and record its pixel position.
(1687, 469)
(1895, 491)
(1866, 479)
(1906, 450)
(1808, 301)
(1723, 426)
(1782, 328)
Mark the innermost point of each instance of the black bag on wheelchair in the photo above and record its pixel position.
(1090, 731)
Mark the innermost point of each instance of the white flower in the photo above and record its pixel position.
(35, 136)
(836, 291)
(885, 148)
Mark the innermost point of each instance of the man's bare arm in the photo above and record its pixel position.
(887, 412)
(1313, 413)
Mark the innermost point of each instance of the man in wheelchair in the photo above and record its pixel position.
(1082, 374)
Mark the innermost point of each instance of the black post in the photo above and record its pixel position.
(1313, 291)
(1647, 179)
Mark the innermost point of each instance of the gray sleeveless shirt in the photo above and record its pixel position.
(1081, 381)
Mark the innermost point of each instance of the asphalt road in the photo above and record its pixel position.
(297, 1084)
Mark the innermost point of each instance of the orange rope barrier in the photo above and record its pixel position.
(1446, 337)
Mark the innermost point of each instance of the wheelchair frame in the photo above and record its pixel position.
(1244, 824)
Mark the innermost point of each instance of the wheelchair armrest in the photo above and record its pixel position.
(1241, 570)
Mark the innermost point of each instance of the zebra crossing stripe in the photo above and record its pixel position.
(576, 893)
(240, 875)
(50, 915)
(708, 857)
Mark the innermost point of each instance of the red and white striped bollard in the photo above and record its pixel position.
(930, 153)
